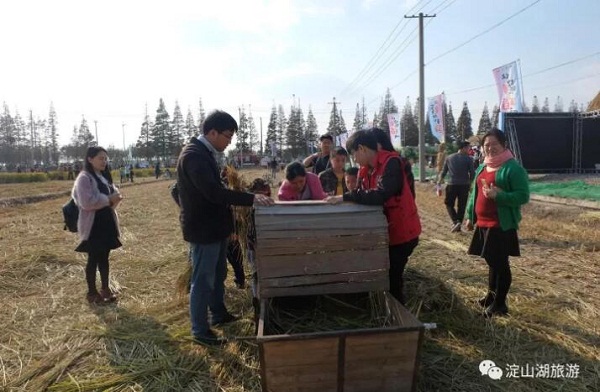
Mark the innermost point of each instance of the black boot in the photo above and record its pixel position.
(496, 309)
(486, 301)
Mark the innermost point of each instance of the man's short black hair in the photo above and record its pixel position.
(361, 138)
(352, 171)
(463, 144)
(220, 121)
(326, 136)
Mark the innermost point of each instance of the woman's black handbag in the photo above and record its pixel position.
(70, 214)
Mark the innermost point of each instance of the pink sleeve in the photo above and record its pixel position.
(316, 189)
(286, 193)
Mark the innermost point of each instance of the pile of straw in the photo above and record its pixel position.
(292, 315)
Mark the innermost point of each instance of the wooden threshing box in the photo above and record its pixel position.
(311, 247)
(382, 359)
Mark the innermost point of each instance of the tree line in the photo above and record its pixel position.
(34, 140)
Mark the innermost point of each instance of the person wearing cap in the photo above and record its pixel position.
(459, 166)
(320, 161)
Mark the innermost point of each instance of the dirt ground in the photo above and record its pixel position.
(51, 339)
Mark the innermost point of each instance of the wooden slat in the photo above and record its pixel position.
(312, 207)
(331, 222)
(316, 234)
(284, 354)
(303, 379)
(322, 263)
(270, 247)
(381, 362)
(376, 346)
(328, 288)
(306, 280)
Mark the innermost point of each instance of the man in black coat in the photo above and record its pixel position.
(207, 221)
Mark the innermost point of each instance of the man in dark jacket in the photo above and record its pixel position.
(460, 168)
(320, 161)
(207, 221)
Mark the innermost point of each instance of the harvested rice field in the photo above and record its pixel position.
(53, 340)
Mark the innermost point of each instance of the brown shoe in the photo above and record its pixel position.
(95, 299)
(107, 295)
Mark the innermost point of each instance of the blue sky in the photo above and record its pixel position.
(106, 60)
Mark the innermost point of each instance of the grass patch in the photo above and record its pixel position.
(568, 189)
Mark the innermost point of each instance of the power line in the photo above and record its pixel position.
(437, 12)
(484, 32)
(563, 64)
(380, 51)
(530, 74)
(401, 49)
(568, 81)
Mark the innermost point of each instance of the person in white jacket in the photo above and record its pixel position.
(98, 224)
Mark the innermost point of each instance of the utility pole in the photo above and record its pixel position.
(335, 117)
(261, 138)
(364, 113)
(123, 127)
(32, 137)
(96, 128)
(422, 159)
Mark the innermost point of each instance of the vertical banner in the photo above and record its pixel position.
(510, 89)
(395, 131)
(435, 111)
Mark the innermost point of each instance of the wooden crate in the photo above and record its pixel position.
(310, 247)
(376, 359)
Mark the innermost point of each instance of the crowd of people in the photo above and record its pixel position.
(490, 196)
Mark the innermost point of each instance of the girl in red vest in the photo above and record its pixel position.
(382, 181)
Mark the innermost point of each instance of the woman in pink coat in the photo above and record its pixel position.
(97, 225)
(300, 185)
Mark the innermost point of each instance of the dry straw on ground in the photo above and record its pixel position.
(52, 340)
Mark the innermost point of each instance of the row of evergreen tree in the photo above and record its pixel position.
(35, 140)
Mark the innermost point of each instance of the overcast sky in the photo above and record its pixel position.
(107, 59)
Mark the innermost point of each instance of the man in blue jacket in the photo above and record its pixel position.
(207, 222)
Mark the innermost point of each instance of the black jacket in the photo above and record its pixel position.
(205, 213)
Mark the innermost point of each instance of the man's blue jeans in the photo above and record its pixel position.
(209, 270)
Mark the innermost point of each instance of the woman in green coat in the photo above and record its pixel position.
(500, 188)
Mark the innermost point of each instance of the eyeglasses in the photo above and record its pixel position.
(227, 136)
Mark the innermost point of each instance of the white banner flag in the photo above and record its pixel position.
(510, 89)
(395, 131)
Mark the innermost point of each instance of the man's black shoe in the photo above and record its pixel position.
(227, 318)
(210, 339)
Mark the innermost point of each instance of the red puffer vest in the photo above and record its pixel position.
(400, 210)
